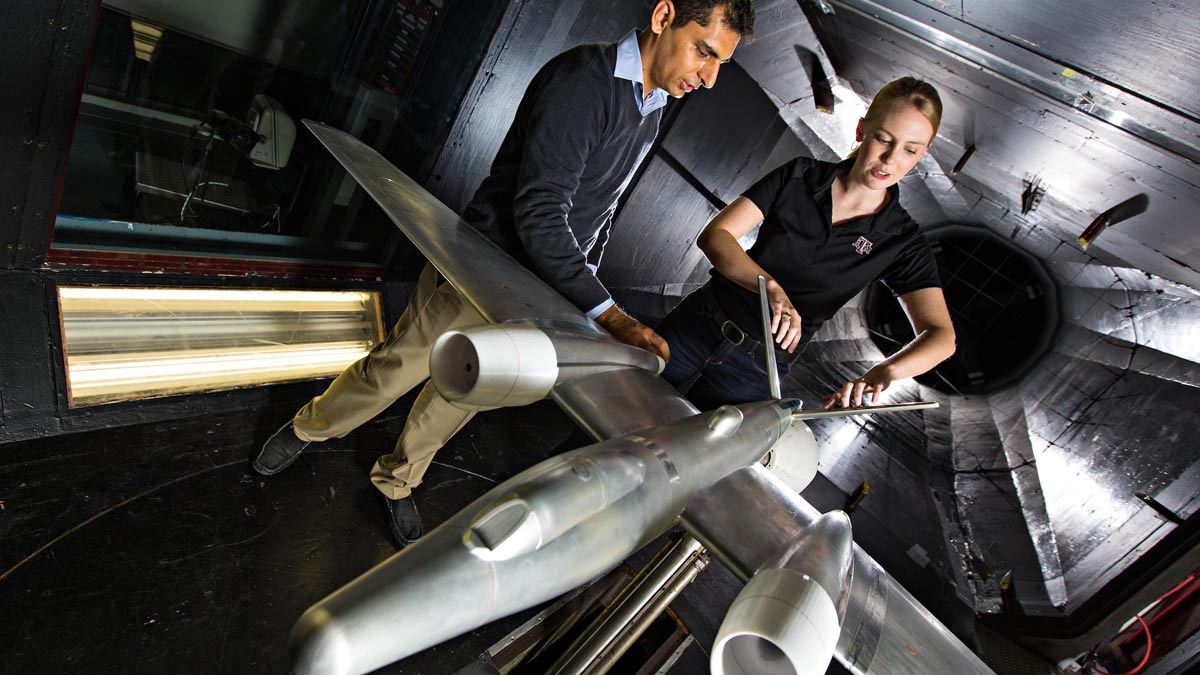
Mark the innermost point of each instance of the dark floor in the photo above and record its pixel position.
(155, 548)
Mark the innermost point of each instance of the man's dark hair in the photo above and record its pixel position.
(739, 15)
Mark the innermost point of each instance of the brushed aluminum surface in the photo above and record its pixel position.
(498, 286)
(748, 518)
(446, 584)
(441, 586)
(618, 402)
(863, 410)
(768, 343)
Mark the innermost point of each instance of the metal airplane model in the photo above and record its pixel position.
(811, 594)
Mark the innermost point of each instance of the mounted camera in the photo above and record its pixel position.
(276, 131)
(233, 131)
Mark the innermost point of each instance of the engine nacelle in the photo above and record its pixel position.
(782, 623)
(501, 365)
(786, 621)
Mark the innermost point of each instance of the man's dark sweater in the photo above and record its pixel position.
(574, 144)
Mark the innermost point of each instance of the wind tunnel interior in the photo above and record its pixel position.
(1051, 495)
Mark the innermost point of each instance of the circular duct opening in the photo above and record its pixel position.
(748, 654)
(1001, 300)
(454, 365)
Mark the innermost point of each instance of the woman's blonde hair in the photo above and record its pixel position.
(918, 93)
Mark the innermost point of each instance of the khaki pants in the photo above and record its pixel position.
(374, 382)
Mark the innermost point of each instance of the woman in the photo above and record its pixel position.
(828, 230)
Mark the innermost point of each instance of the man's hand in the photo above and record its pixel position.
(632, 332)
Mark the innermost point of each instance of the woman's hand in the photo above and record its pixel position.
(785, 320)
(719, 241)
(870, 387)
(930, 319)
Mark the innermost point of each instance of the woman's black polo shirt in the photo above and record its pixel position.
(820, 266)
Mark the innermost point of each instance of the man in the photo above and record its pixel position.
(586, 121)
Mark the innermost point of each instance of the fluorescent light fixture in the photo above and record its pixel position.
(145, 39)
(125, 343)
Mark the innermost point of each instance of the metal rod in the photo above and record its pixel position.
(683, 646)
(612, 623)
(864, 410)
(681, 580)
(768, 342)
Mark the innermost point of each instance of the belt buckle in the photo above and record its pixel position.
(725, 333)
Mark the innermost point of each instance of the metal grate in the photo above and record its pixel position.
(1002, 302)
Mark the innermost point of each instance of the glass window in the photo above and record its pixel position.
(190, 138)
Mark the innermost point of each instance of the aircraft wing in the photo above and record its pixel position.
(504, 290)
(501, 288)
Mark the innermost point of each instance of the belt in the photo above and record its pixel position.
(736, 336)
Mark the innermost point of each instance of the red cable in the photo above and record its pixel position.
(1178, 586)
(1166, 610)
(1160, 612)
(1146, 627)
(1145, 659)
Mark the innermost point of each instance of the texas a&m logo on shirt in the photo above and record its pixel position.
(862, 246)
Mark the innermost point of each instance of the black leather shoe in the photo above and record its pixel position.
(403, 520)
(280, 450)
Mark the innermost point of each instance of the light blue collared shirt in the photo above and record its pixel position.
(629, 67)
(602, 307)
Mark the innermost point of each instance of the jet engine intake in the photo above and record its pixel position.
(786, 620)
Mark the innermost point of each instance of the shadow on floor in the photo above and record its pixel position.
(156, 548)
